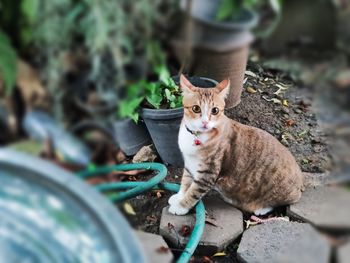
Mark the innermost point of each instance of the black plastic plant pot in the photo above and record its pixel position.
(50, 215)
(131, 136)
(164, 124)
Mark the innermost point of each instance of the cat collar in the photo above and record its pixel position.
(195, 133)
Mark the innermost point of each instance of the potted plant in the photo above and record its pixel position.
(218, 36)
(130, 131)
(162, 112)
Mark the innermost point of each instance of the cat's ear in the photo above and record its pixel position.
(185, 84)
(224, 88)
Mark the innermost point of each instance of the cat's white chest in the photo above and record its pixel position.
(190, 150)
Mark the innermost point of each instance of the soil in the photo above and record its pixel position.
(294, 125)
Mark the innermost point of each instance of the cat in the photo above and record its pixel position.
(250, 168)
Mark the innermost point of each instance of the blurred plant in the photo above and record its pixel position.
(163, 93)
(114, 34)
(232, 9)
(16, 20)
(8, 64)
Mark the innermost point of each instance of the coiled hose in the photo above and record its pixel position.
(135, 188)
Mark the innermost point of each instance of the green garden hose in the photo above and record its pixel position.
(135, 188)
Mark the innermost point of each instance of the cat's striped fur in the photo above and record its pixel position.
(249, 167)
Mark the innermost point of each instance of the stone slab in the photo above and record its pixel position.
(325, 207)
(343, 254)
(281, 241)
(155, 248)
(223, 225)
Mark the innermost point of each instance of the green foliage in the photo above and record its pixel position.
(129, 106)
(29, 14)
(226, 10)
(8, 63)
(161, 94)
(230, 9)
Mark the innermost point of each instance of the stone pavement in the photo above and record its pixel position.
(283, 241)
(224, 224)
(155, 248)
(325, 207)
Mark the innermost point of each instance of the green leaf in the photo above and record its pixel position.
(8, 63)
(226, 10)
(129, 108)
(30, 10)
(167, 94)
(164, 75)
(154, 99)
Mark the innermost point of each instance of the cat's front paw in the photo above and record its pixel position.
(178, 209)
(175, 199)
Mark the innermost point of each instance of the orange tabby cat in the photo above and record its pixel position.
(249, 167)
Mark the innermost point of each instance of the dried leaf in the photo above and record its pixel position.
(219, 254)
(285, 136)
(185, 230)
(129, 209)
(274, 100)
(290, 122)
(285, 103)
(250, 73)
(250, 223)
(251, 90)
(303, 133)
(206, 259)
(280, 88)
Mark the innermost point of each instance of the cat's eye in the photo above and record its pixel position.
(196, 109)
(215, 110)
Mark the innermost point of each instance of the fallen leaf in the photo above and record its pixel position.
(250, 223)
(251, 90)
(280, 89)
(129, 209)
(303, 133)
(250, 73)
(159, 195)
(274, 100)
(285, 136)
(245, 80)
(290, 122)
(206, 260)
(219, 254)
(185, 230)
(285, 103)
(162, 250)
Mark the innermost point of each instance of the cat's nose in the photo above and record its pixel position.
(205, 123)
